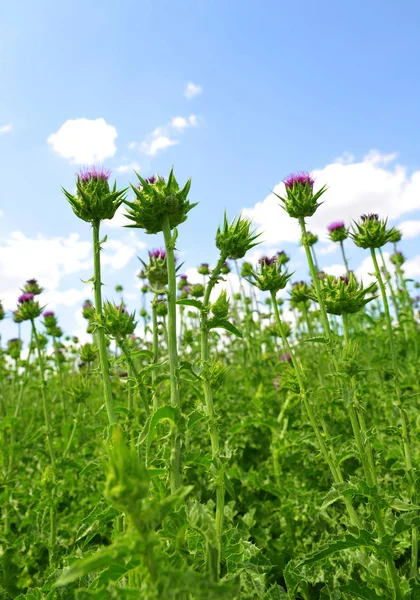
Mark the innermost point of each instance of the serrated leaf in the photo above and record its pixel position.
(224, 324)
(190, 302)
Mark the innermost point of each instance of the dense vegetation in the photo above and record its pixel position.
(227, 452)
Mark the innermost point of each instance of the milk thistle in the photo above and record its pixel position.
(94, 202)
(160, 206)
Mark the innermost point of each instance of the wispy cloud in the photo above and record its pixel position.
(6, 128)
(164, 136)
(192, 89)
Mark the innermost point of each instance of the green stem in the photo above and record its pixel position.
(48, 425)
(155, 353)
(346, 264)
(212, 422)
(103, 355)
(175, 460)
(142, 389)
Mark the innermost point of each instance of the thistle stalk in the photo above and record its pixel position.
(103, 355)
(175, 460)
(212, 422)
(48, 426)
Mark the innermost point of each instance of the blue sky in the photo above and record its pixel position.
(284, 86)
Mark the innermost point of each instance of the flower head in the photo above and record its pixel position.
(285, 357)
(300, 178)
(337, 231)
(371, 232)
(269, 275)
(343, 295)
(300, 200)
(95, 200)
(27, 297)
(155, 200)
(335, 225)
(32, 287)
(236, 238)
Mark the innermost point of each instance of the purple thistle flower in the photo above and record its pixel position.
(335, 225)
(185, 277)
(25, 298)
(88, 173)
(345, 279)
(301, 178)
(48, 313)
(121, 308)
(204, 265)
(186, 289)
(369, 217)
(285, 357)
(157, 253)
(32, 282)
(13, 340)
(298, 283)
(267, 261)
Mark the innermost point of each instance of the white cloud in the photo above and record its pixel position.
(6, 128)
(335, 270)
(184, 123)
(354, 188)
(46, 259)
(412, 267)
(49, 260)
(119, 219)
(327, 249)
(157, 143)
(409, 229)
(132, 166)
(192, 90)
(84, 141)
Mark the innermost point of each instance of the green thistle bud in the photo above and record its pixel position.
(246, 270)
(395, 236)
(371, 232)
(127, 483)
(397, 259)
(343, 295)
(235, 239)
(204, 269)
(309, 238)
(337, 231)
(78, 389)
(32, 287)
(155, 200)
(14, 348)
(300, 199)
(88, 353)
(42, 342)
(88, 310)
(117, 321)
(225, 269)
(48, 479)
(157, 270)
(197, 290)
(95, 200)
(220, 308)
(269, 275)
(143, 313)
(161, 307)
(145, 289)
(28, 309)
(300, 292)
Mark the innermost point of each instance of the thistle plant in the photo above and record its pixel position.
(94, 202)
(161, 206)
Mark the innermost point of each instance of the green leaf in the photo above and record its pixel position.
(402, 506)
(319, 340)
(357, 590)
(164, 413)
(190, 302)
(223, 324)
